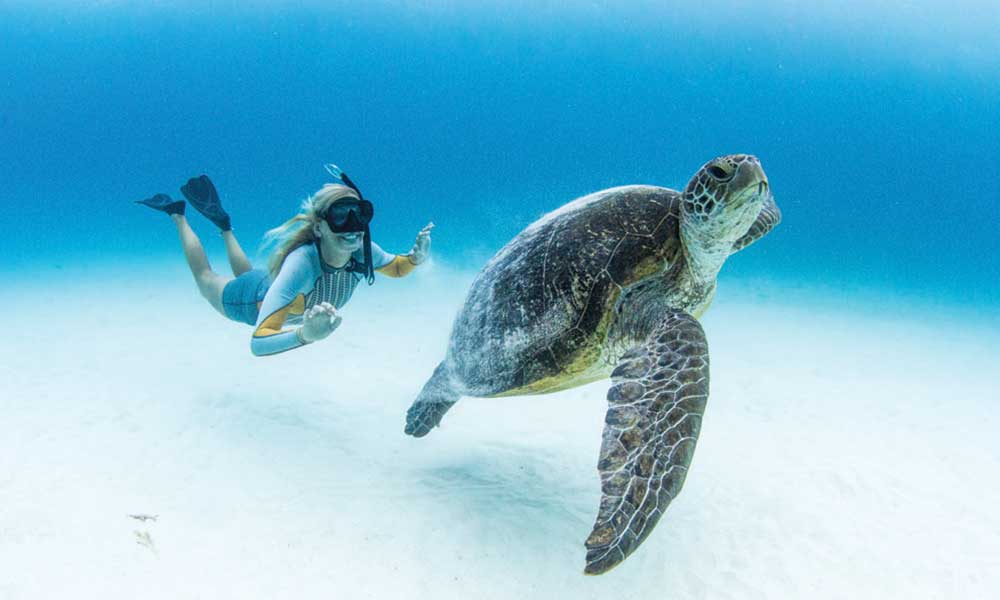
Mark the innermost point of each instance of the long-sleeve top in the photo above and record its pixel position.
(304, 281)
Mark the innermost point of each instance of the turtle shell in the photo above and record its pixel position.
(538, 314)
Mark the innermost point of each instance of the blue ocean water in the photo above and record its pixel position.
(879, 126)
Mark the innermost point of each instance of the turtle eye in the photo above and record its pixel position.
(718, 172)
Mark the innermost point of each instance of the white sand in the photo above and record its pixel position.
(845, 453)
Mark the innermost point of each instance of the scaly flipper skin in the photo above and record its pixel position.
(437, 397)
(768, 219)
(651, 428)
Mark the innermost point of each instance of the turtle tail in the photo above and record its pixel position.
(433, 402)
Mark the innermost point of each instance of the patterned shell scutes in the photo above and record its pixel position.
(547, 296)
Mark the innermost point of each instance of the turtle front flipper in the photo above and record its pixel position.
(435, 399)
(651, 428)
(767, 219)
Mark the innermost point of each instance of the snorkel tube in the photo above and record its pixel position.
(368, 268)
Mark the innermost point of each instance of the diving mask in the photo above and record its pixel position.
(349, 215)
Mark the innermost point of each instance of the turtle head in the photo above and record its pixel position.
(718, 206)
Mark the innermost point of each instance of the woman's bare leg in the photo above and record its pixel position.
(237, 259)
(210, 283)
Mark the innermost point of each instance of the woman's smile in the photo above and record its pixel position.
(349, 240)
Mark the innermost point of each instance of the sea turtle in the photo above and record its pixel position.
(610, 284)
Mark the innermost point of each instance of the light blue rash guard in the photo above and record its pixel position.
(305, 281)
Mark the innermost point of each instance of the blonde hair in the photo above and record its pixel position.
(298, 231)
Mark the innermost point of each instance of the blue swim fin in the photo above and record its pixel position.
(164, 203)
(200, 192)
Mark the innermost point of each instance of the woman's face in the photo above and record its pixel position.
(349, 242)
(343, 242)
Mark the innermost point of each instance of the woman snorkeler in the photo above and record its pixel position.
(321, 255)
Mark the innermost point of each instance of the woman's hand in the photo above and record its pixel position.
(422, 247)
(319, 322)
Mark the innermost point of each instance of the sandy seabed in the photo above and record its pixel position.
(849, 450)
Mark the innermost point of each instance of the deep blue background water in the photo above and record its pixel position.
(878, 127)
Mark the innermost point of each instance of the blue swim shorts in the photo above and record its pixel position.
(242, 296)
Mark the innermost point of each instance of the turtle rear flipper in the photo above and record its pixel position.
(434, 400)
(652, 425)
